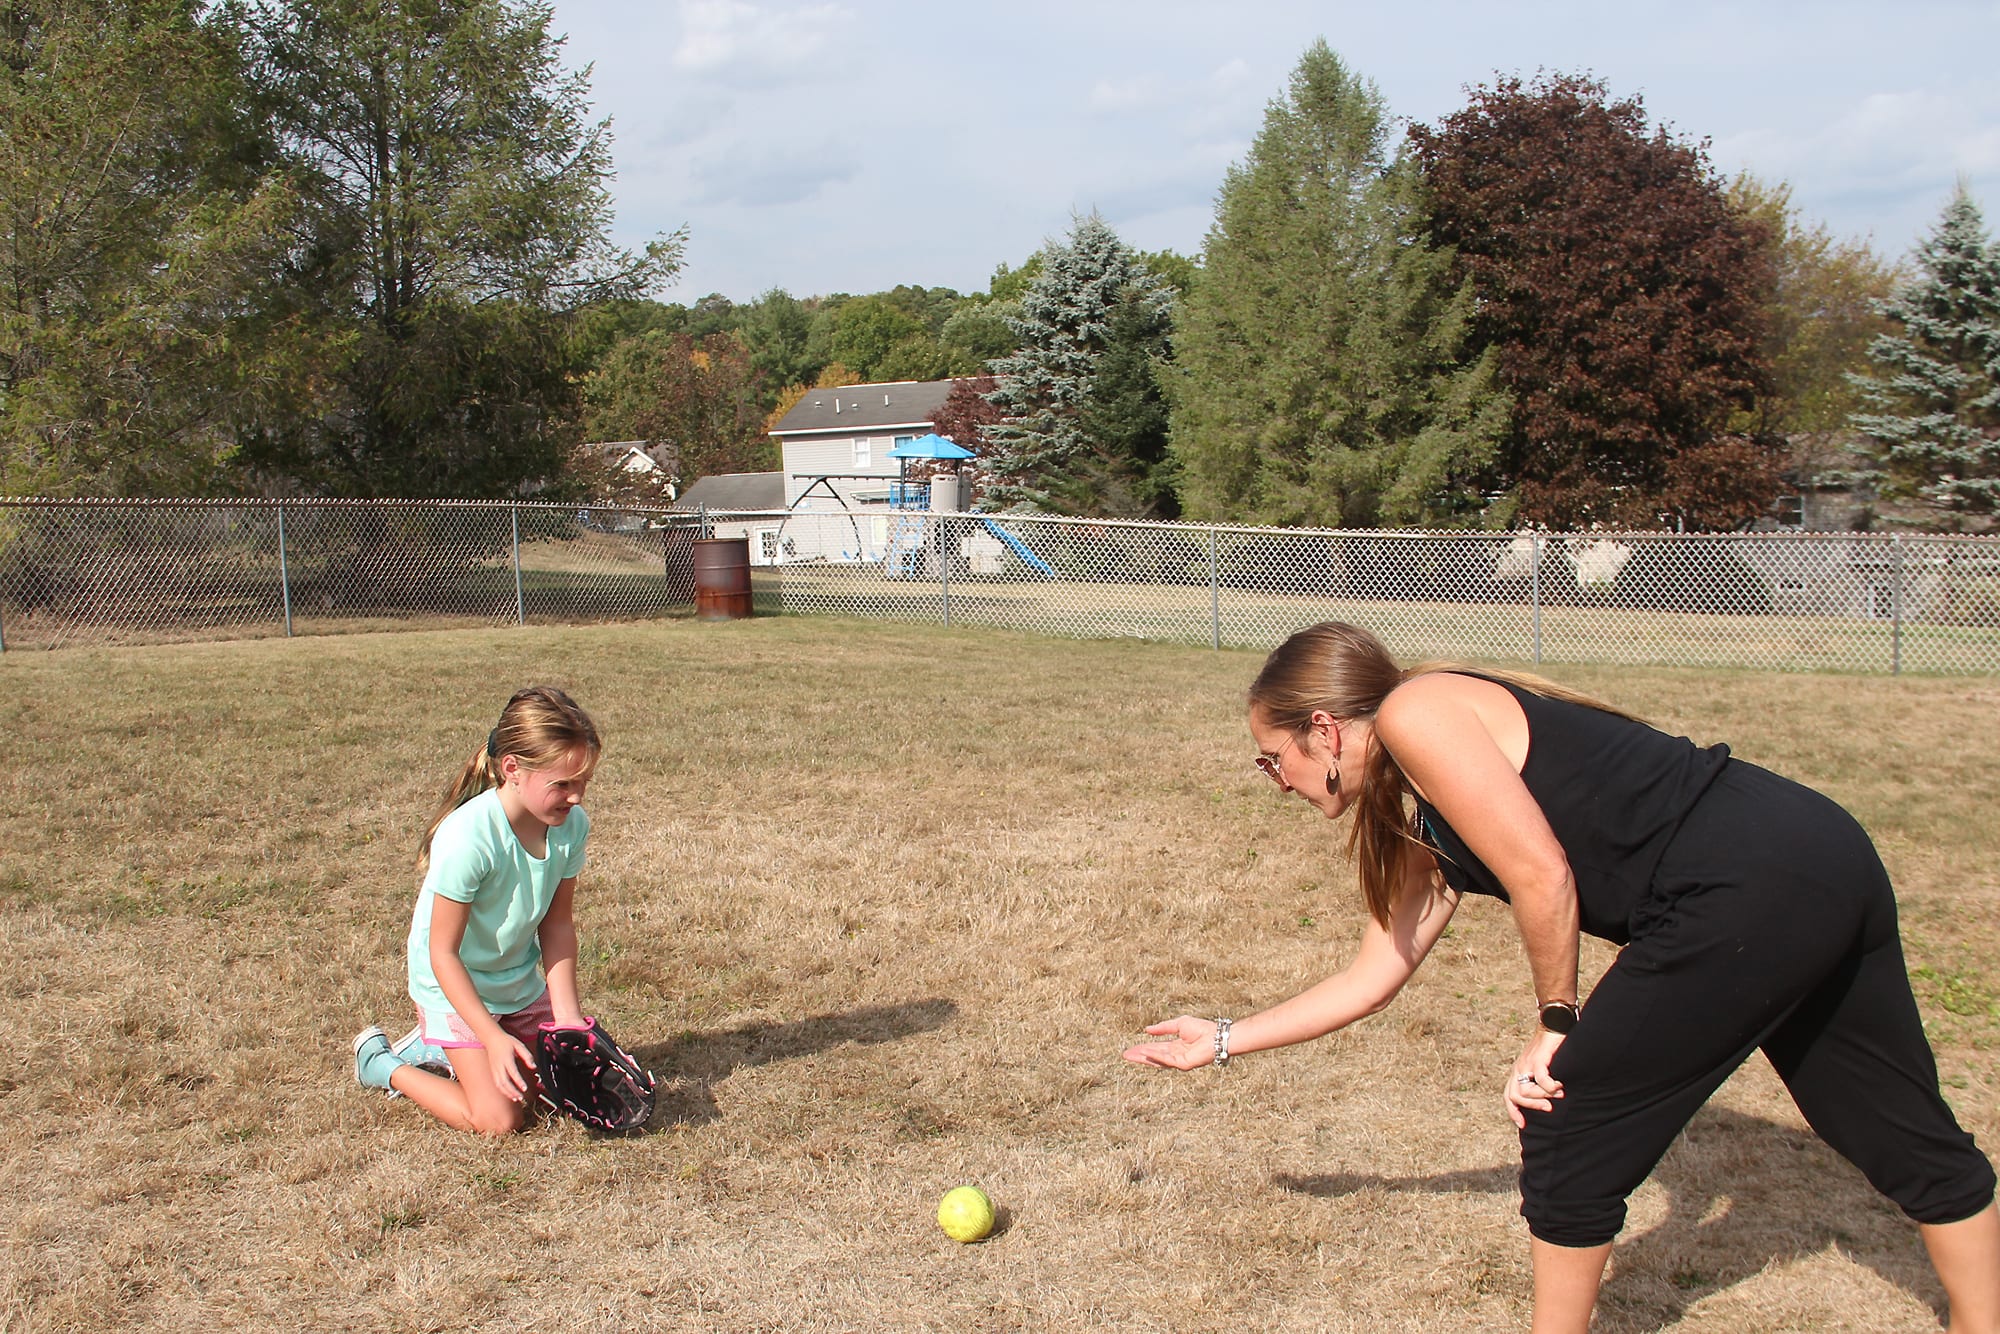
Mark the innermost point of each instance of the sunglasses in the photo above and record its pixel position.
(1267, 761)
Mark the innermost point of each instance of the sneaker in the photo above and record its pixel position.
(411, 1049)
(373, 1061)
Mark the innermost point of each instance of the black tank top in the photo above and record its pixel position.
(1613, 790)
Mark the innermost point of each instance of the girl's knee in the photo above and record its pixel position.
(500, 1120)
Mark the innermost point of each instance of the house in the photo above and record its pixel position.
(839, 477)
(743, 504)
(626, 472)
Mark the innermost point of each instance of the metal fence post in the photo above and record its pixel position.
(1896, 608)
(284, 573)
(1214, 597)
(943, 536)
(520, 600)
(1535, 588)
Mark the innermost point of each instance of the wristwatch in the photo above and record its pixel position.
(1559, 1016)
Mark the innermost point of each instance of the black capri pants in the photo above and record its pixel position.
(1771, 924)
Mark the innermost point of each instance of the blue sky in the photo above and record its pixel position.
(849, 145)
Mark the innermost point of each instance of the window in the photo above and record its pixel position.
(861, 446)
(767, 541)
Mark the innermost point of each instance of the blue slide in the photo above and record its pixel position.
(1019, 548)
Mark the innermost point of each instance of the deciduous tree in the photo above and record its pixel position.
(138, 225)
(695, 403)
(1624, 297)
(458, 211)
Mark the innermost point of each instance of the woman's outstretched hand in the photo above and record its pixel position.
(1190, 1044)
(1529, 1083)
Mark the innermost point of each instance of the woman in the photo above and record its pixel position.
(1753, 911)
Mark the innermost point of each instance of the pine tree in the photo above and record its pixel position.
(1070, 315)
(1319, 374)
(1936, 399)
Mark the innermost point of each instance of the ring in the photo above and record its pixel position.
(1524, 1079)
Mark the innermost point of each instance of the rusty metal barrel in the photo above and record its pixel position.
(721, 578)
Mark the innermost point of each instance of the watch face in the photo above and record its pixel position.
(1559, 1018)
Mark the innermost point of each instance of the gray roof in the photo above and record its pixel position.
(865, 407)
(734, 491)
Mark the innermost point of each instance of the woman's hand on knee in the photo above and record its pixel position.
(1529, 1083)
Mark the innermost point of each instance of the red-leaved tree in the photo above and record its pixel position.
(962, 419)
(1625, 299)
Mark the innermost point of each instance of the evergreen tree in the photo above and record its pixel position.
(1320, 375)
(1936, 398)
(1069, 317)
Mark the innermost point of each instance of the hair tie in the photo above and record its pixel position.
(493, 744)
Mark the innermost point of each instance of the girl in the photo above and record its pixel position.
(1753, 911)
(492, 946)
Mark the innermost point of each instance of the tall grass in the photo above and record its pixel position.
(881, 904)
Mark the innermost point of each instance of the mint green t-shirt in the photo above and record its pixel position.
(476, 859)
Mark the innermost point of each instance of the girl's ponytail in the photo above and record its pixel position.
(540, 726)
(480, 771)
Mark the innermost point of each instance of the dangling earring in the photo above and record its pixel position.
(1333, 779)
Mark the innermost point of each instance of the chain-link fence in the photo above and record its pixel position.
(100, 571)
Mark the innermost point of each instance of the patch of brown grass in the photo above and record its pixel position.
(881, 904)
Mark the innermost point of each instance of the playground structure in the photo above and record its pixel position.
(918, 548)
(907, 536)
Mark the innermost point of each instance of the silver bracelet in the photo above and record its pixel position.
(1221, 1043)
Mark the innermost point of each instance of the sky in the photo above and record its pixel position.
(824, 146)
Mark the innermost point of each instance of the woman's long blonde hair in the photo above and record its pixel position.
(541, 726)
(1347, 672)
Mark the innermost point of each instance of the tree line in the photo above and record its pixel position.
(361, 248)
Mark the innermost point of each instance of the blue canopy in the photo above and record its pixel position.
(932, 446)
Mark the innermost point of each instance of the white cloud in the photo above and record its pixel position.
(1123, 95)
(1228, 78)
(721, 36)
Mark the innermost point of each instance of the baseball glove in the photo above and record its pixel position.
(586, 1075)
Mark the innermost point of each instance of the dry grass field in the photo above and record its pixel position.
(881, 904)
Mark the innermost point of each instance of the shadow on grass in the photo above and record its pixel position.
(691, 1065)
(1746, 1195)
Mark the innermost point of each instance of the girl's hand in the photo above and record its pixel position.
(1529, 1083)
(507, 1062)
(1190, 1044)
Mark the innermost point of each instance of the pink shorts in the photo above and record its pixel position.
(443, 1028)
